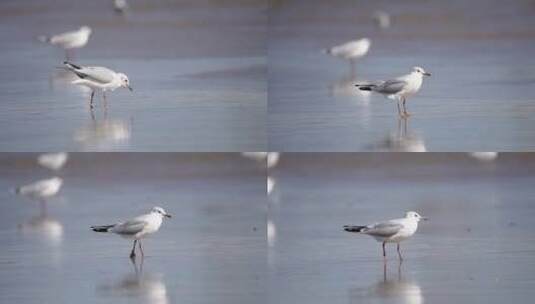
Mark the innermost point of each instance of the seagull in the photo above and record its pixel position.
(120, 6)
(399, 88)
(98, 78)
(351, 50)
(53, 161)
(382, 19)
(42, 189)
(69, 40)
(137, 228)
(392, 231)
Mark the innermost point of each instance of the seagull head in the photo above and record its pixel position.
(415, 216)
(419, 70)
(160, 211)
(125, 83)
(85, 29)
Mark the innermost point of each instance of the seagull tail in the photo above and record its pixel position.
(326, 51)
(104, 228)
(349, 228)
(365, 87)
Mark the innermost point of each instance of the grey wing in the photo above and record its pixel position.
(129, 227)
(385, 229)
(97, 74)
(391, 86)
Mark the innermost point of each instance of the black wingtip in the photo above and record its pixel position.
(353, 228)
(70, 64)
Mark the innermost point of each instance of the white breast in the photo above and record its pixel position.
(409, 228)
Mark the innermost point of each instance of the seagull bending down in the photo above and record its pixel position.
(392, 231)
(98, 78)
(69, 40)
(399, 88)
(137, 228)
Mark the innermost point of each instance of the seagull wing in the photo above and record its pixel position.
(130, 227)
(34, 189)
(391, 86)
(97, 74)
(385, 229)
(64, 38)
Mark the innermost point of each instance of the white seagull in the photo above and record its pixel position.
(137, 228)
(351, 50)
(120, 6)
(392, 231)
(69, 40)
(382, 19)
(399, 88)
(98, 78)
(42, 189)
(53, 161)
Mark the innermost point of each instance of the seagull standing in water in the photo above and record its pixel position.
(69, 40)
(98, 78)
(41, 190)
(399, 88)
(351, 50)
(137, 228)
(392, 231)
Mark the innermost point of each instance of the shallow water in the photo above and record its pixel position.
(479, 97)
(477, 246)
(211, 251)
(198, 71)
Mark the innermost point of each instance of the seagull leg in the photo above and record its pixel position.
(133, 253)
(91, 99)
(399, 110)
(384, 252)
(405, 108)
(141, 249)
(399, 253)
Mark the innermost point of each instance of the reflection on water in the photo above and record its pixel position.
(44, 227)
(150, 288)
(103, 134)
(403, 140)
(396, 289)
(345, 87)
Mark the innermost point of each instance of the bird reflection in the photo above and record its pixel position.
(345, 87)
(397, 289)
(147, 287)
(403, 140)
(103, 134)
(44, 226)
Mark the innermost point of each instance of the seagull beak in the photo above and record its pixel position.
(167, 215)
(130, 88)
(427, 74)
(424, 218)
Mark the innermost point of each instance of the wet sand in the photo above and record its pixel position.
(198, 70)
(479, 97)
(477, 246)
(213, 250)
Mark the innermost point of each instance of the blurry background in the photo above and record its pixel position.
(479, 98)
(213, 250)
(477, 247)
(197, 68)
